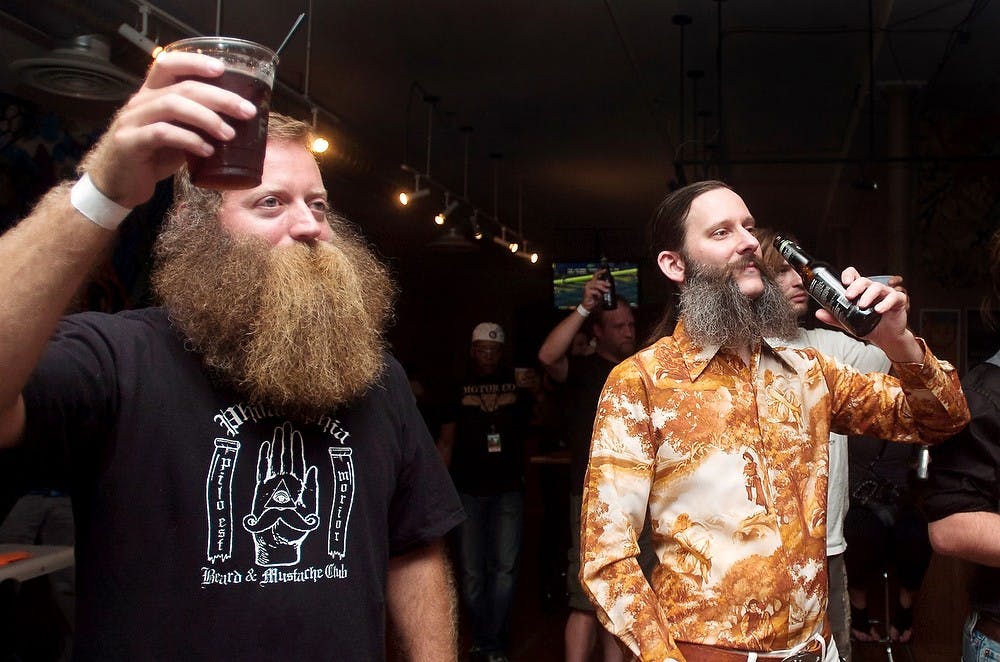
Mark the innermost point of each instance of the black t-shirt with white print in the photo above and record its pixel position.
(211, 528)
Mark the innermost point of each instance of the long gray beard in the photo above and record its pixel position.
(716, 312)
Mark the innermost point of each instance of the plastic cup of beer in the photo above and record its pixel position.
(250, 67)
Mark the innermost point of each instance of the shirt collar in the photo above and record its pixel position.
(696, 357)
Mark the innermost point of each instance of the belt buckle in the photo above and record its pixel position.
(802, 656)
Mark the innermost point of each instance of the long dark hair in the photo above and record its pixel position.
(667, 231)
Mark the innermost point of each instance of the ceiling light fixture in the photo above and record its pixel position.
(319, 144)
(406, 197)
(523, 252)
(449, 207)
(477, 232)
(140, 38)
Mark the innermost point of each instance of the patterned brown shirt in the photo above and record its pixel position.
(731, 463)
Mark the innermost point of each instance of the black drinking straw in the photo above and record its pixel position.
(295, 26)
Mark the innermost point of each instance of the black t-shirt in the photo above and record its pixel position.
(965, 472)
(211, 528)
(491, 416)
(582, 391)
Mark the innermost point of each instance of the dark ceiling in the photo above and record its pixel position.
(589, 103)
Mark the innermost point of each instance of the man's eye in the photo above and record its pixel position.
(321, 205)
(270, 201)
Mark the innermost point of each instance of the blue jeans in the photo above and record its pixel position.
(976, 646)
(489, 551)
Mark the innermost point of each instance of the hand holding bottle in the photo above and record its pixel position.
(593, 292)
(824, 286)
(891, 334)
(609, 298)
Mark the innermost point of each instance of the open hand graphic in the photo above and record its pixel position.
(285, 501)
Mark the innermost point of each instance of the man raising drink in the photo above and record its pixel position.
(251, 477)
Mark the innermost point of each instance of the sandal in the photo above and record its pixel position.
(902, 624)
(861, 627)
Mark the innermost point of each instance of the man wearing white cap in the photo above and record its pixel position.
(483, 444)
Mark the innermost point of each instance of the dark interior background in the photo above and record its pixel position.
(562, 123)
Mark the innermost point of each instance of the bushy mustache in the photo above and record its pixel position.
(716, 312)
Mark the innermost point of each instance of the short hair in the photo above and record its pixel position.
(667, 227)
(280, 128)
(599, 317)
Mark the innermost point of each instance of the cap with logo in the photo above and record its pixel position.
(488, 331)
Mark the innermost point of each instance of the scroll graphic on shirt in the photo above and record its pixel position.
(285, 501)
(343, 499)
(219, 499)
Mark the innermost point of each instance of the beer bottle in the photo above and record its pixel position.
(609, 300)
(825, 287)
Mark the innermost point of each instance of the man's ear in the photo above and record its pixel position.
(672, 265)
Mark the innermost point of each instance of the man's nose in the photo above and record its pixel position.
(748, 243)
(305, 224)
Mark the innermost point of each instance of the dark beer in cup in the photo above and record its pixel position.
(236, 163)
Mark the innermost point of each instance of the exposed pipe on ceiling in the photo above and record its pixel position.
(285, 89)
(855, 117)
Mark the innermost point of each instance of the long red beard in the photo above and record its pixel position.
(299, 328)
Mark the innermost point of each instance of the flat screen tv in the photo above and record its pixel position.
(568, 279)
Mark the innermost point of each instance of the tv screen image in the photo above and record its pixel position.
(568, 279)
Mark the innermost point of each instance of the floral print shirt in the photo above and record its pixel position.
(730, 462)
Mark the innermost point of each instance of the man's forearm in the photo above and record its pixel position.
(971, 536)
(421, 601)
(552, 354)
(43, 261)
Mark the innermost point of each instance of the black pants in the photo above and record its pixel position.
(886, 538)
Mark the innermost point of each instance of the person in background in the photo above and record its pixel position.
(249, 473)
(962, 502)
(884, 530)
(583, 344)
(741, 573)
(865, 358)
(582, 377)
(483, 443)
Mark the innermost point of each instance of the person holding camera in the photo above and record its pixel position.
(884, 529)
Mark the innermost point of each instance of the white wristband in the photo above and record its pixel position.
(583, 312)
(97, 207)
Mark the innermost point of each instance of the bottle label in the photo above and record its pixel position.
(830, 293)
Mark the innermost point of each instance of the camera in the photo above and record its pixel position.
(876, 490)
